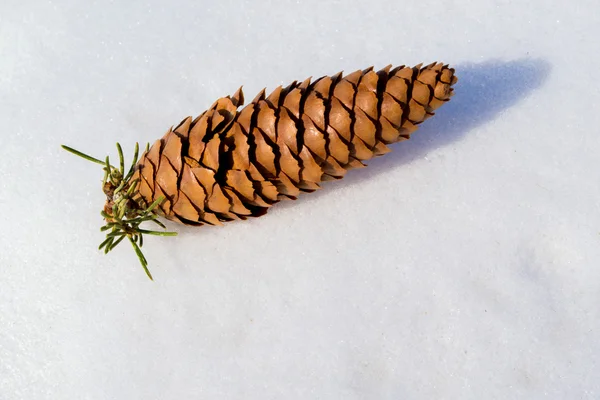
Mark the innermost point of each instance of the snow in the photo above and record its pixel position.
(460, 266)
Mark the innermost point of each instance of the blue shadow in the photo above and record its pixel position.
(483, 92)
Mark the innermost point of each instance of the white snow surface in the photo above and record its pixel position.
(463, 265)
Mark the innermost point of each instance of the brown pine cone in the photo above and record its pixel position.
(228, 164)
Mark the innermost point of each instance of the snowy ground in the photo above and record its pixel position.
(464, 265)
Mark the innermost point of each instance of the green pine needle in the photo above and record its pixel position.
(82, 155)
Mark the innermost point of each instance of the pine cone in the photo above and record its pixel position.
(228, 164)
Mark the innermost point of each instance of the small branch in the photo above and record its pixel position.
(125, 211)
